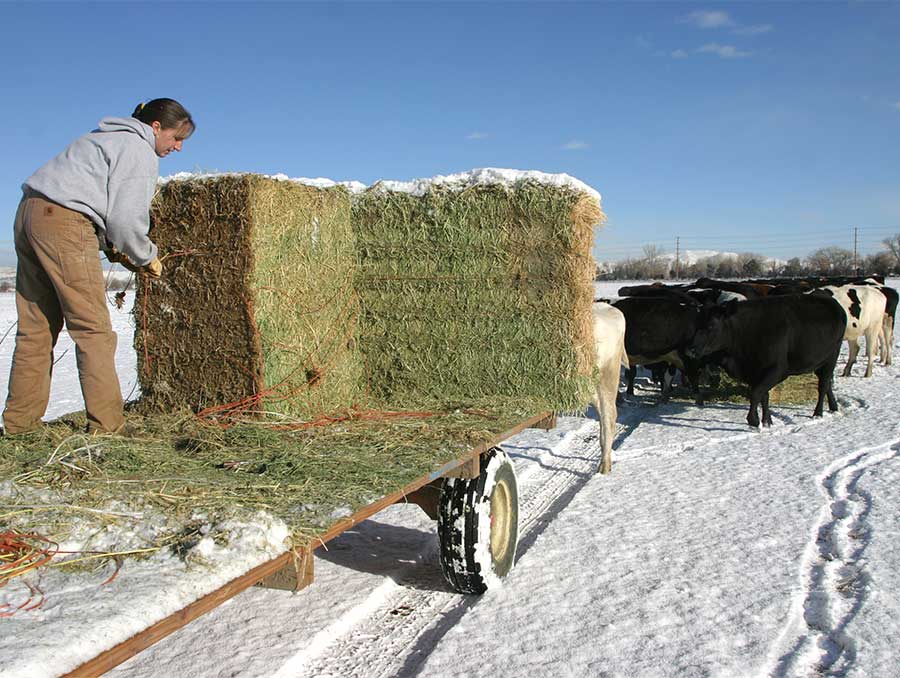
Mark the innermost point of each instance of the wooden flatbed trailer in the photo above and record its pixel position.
(474, 499)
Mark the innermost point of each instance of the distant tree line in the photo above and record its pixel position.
(113, 284)
(836, 261)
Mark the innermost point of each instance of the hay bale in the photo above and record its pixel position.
(477, 285)
(256, 306)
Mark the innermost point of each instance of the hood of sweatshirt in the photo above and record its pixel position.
(129, 126)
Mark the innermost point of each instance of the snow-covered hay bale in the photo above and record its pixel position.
(476, 285)
(255, 310)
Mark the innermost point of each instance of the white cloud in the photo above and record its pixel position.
(679, 54)
(708, 19)
(724, 51)
(575, 145)
(477, 135)
(758, 29)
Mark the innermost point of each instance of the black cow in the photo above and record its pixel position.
(763, 341)
(659, 290)
(748, 290)
(660, 329)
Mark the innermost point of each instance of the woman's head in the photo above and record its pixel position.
(171, 123)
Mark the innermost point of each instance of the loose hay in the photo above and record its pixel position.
(798, 389)
(182, 467)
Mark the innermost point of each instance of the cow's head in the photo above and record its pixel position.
(712, 333)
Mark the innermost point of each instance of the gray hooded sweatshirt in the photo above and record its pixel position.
(109, 175)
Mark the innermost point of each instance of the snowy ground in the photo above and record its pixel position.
(712, 550)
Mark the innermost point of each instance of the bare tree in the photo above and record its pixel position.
(892, 245)
(725, 266)
(794, 268)
(831, 261)
(750, 265)
(657, 267)
(880, 263)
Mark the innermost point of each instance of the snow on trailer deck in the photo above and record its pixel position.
(711, 550)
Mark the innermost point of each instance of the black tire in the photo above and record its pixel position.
(478, 525)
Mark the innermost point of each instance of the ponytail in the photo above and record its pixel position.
(167, 112)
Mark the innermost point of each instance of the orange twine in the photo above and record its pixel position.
(247, 405)
(22, 552)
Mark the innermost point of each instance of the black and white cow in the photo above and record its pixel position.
(891, 299)
(660, 329)
(865, 309)
(763, 341)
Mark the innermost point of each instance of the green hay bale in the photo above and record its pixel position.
(477, 292)
(256, 303)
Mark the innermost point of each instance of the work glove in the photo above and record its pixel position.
(116, 257)
(154, 268)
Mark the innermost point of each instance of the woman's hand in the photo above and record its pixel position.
(154, 268)
(114, 256)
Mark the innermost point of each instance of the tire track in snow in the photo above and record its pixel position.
(833, 576)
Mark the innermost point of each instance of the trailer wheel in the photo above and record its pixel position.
(478, 525)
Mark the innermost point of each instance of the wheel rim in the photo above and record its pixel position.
(501, 517)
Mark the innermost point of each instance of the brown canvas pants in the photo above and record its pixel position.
(58, 279)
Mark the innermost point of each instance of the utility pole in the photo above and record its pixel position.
(855, 249)
(677, 258)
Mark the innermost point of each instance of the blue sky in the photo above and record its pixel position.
(765, 127)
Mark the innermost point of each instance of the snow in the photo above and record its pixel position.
(458, 182)
(319, 182)
(485, 176)
(711, 549)
(482, 553)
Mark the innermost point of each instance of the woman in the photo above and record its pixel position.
(95, 194)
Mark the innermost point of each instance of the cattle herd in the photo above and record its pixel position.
(758, 331)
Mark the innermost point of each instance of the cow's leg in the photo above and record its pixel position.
(885, 340)
(832, 364)
(668, 378)
(871, 341)
(766, 415)
(600, 406)
(826, 385)
(889, 339)
(852, 352)
(605, 401)
(692, 372)
(759, 394)
(753, 415)
(823, 387)
(630, 374)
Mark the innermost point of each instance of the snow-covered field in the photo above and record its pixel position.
(711, 550)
